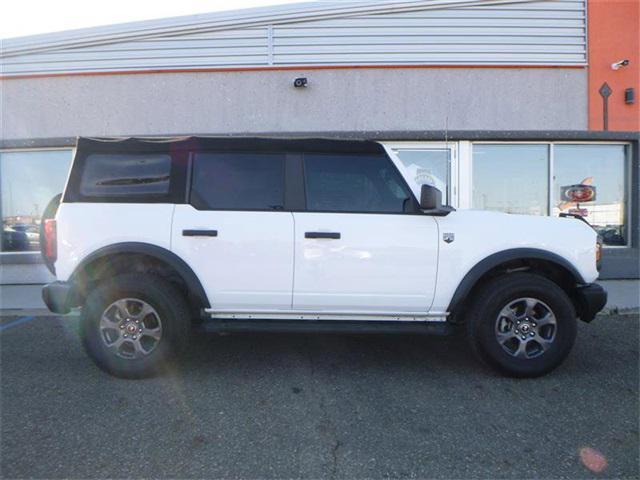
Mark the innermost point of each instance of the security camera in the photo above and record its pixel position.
(619, 65)
(300, 82)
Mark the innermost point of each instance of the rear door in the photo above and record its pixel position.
(362, 245)
(235, 232)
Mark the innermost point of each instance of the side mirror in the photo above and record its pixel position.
(430, 198)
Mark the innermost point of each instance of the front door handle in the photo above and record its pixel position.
(199, 233)
(330, 235)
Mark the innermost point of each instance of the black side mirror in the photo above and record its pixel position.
(430, 198)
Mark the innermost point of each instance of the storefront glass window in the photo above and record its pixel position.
(428, 167)
(514, 178)
(511, 178)
(603, 168)
(28, 181)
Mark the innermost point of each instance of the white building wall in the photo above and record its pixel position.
(336, 100)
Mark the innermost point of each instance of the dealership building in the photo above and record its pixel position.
(503, 104)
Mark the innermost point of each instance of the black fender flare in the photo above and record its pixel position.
(196, 291)
(492, 261)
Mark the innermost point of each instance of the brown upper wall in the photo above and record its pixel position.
(614, 36)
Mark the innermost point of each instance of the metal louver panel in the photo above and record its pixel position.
(548, 32)
(245, 47)
(544, 32)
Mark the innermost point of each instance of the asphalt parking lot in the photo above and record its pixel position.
(317, 406)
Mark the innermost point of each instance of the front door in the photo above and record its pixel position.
(234, 233)
(361, 245)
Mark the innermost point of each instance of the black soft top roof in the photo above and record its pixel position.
(168, 144)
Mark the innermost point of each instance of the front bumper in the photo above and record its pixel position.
(589, 300)
(57, 297)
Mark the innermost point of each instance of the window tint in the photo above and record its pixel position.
(238, 181)
(108, 175)
(354, 183)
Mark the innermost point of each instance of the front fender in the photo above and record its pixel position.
(496, 259)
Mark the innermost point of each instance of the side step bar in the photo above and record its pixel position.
(324, 326)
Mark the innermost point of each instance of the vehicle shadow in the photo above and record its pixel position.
(328, 352)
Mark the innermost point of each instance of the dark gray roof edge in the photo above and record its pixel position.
(378, 135)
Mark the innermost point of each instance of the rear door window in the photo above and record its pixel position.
(238, 181)
(126, 174)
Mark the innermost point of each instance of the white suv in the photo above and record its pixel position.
(154, 236)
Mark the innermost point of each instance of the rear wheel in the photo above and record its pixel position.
(522, 324)
(133, 325)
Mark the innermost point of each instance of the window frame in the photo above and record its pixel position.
(414, 207)
(32, 257)
(628, 190)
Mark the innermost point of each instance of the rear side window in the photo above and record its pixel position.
(354, 183)
(238, 181)
(120, 175)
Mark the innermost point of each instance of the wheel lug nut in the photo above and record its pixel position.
(134, 337)
(518, 322)
(125, 335)
(532, 334)
(534, 324)
(524, 337)
(121, 327)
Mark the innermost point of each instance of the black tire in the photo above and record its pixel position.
(169, 305)
(484, 314)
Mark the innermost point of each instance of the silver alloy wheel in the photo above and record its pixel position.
(130, 328)
(526, 328)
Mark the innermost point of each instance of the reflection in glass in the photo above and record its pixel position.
(353, 183)
(29, 180)
(511, 178)
(428, 167)
(125, 174)
(602, 167)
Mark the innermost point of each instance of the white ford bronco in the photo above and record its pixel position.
(153, 238)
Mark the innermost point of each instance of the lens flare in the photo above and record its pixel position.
(593, 459)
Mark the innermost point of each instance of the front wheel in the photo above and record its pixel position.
(522, 324)
(133, 325)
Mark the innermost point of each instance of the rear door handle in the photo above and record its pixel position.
(199, 233)
(331, 235)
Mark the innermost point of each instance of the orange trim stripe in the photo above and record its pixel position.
(273, 68)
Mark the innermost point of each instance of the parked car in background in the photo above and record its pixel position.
(14, 240)
(32, 233)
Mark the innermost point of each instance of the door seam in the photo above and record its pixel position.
(293, 276)
(173, 215)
